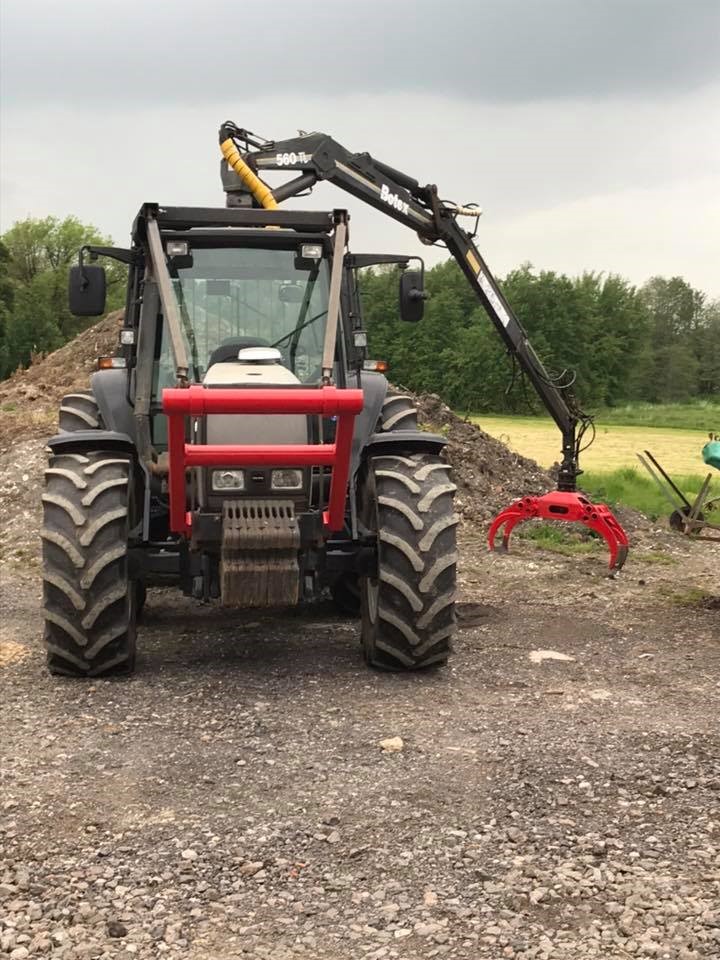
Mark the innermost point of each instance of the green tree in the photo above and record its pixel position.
(676, 312)
(658, 343)
(6, 305)
(708, 350)
(613, 328)
(39, 255)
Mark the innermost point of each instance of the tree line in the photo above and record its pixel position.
(35, 257)
(656, 343)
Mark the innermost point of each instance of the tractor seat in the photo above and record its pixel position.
(228, 350)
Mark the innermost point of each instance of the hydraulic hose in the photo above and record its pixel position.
(261, 191)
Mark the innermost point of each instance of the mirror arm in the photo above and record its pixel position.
(421, 294)
(121, 254)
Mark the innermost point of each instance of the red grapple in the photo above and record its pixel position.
(571, 507)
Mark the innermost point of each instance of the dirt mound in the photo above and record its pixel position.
(489, 476)
(29, 398)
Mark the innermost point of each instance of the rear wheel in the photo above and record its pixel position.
(79, 411)
(408, 609)
(398, 413)
(90, 603)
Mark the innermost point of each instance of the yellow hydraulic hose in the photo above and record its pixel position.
(261, 191)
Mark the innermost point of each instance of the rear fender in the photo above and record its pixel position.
(110, 388)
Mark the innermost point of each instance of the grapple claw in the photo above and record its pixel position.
(569, 506)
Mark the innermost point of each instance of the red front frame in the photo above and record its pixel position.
(199, 401)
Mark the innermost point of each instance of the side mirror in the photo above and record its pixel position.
(86, 291)
(412, 296)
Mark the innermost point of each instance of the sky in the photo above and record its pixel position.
(587, 130)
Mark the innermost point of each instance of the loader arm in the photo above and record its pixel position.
(316, 157)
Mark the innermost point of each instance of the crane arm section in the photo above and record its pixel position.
(316, 157)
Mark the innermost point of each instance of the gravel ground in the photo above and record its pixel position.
(233, 800)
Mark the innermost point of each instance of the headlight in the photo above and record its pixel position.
(228, 480)
(286, 480)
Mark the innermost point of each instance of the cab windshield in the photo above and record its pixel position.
(248, 296)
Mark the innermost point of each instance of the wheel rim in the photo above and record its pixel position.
(371, 585)
(372, 594)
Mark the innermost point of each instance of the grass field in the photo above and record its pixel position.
(616, 445)
(635, 488)
(701, 415)
(673, 433)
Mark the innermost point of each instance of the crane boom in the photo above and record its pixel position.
(317, 156)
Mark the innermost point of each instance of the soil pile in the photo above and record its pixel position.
(29, 398)
(489, 475)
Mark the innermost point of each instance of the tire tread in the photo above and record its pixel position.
(87, 594)
(79, 411)
(412, 499)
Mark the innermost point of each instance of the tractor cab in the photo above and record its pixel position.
(249, 315)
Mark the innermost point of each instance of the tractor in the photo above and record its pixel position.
(242, 446)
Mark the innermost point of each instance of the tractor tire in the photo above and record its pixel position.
(79, 411)
(408, 609)
(90, 603)
(398, 413)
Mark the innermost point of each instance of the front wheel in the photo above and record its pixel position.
(90, 602)
(408, 609)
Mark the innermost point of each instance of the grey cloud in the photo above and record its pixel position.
(194, 51)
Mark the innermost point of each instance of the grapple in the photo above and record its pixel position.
(570, 506)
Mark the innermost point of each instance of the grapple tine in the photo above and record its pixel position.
(507, 519)
(572, 507)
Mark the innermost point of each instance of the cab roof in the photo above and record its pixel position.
(190, 218)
